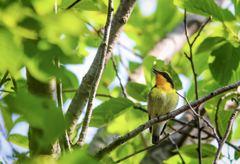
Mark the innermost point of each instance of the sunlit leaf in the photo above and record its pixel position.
(137, 91)
(109, 110)
(224, 64)
(19, 140)
(45, 115)
(201, 7)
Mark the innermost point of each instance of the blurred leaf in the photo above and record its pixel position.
(69, 82)
(133, 66)
(11, 54)
(7, 117)
(19, 140)
(137, 91)
(201, 7)
(109, 110)
(237, 9)
(109, 73)
(43, 7)
(20, 119)
(77, 156)
(45, 115)
(224, 64)
(162, 67)
(148, 63)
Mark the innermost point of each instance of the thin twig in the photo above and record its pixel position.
(4, 79)
(230, 122)
(166, 136)
(208, 133)
(189, 135)
(140, 108)
(195, 113)
(116, 70)
(190, 58)
(218, 106)
(130, 50)
(98, 75)
(97, 94)
(176, 147)
(73, 4)
(166, 117)
(201, 28)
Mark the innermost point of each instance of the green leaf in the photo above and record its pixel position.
(148, 63)
(224, 64)
(137, 91)
(19, 140)
(162, 67)
(237, 9)
(237, 154)
(20, 119)
(11, 54)
(133, 66)
(127, 122)
(201, 7)
(109, 73)
(41, 113)
(200, 61)
(209, 44)
(69, 81)
(236, 135)
(7, 117)
(109, 110)
(208, 151)
(77, 156)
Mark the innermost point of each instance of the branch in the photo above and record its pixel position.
(140, 108)
(190, 58)
(82, 95)
(73, 4)
(96, 81)
(189, 135)
(116, 70)
(196, 114)
(97, 94)
(208, 133)
(166, 136)
(223, 140)
(168, 116)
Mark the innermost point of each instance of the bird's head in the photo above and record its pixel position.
(163, 78)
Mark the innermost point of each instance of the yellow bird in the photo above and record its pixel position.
(162, 99)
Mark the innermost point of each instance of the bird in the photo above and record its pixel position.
(162, 99)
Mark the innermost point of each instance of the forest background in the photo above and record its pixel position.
(57, 56)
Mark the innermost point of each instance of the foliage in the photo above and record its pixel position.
(33, 36)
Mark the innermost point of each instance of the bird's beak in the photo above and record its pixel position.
(155, 71)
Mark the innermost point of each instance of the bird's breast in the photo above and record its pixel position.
(161, 102)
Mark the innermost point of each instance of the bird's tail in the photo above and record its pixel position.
(157, 130)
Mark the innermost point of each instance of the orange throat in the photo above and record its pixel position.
(162, 83)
